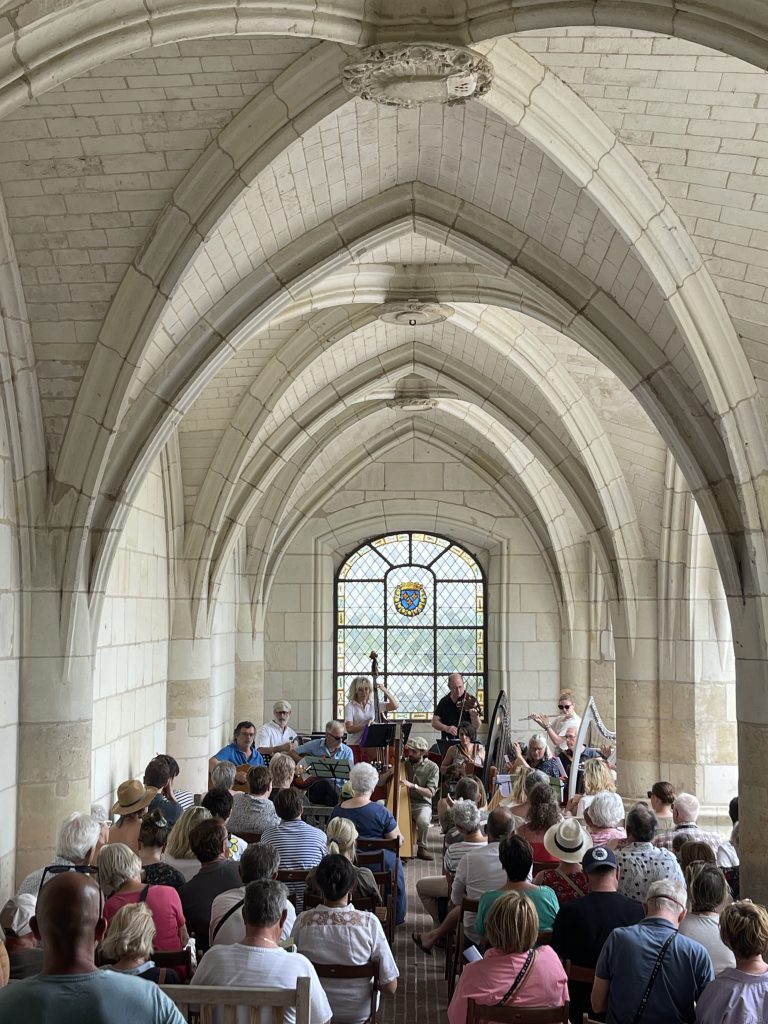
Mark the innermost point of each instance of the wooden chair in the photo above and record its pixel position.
(454, 953)
(393, 845)
(545, 938)
(543, 865)
(207, 997)
(477, 1012)
(249, 837)
(373, 859)
(387, 883)
(582, 975)
(297, 877)
(174, 958)
(344, 972)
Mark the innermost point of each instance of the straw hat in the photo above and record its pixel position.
(132, 796)
(567, 841)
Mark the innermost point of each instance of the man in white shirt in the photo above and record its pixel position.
(258, 961)
(276, 736)
(227, 925)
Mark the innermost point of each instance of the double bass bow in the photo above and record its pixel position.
(374, 676)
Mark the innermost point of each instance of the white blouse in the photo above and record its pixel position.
(359, 717)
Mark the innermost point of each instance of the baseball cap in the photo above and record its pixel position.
(598, 857)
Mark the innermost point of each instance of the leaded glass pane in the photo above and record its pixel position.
(363, 604)
(456, 564)
(426, 549)
(411, 650)
(394, 548)
(354, 649)
(365, 564)
(415, 693)
(457, 605)
(456, 650)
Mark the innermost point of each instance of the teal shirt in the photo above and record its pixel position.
(542, 897)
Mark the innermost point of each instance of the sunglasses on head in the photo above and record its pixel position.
(80, 869)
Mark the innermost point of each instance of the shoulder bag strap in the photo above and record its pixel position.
(570, 881)
(232, 910)
(521, 976)
(652, 979)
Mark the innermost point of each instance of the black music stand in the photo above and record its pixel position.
(379, 734)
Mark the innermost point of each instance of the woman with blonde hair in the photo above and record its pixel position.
(178, 852)
(740, 993)
(598, 778)
(342, 839)
(567, 719)
(513, 972)
(360, 710)
(282, 769)
(129, 941)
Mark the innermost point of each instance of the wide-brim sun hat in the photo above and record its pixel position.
(132, 796)
(567, 841)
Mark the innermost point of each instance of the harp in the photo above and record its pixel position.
(499, 740)
(590, 717)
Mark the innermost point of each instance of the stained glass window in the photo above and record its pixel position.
(418, 601)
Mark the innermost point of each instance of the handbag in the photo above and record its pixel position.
(652, 979)
(522, 975)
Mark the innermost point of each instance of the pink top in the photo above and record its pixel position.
(603, 836)
(540, 853)
(165, 905)
(488, 980)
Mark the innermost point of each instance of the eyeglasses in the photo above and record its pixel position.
(339, 739)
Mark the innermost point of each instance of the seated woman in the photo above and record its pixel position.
(153, 839)
(598, 778)
(342, 839)
(178, 852)
(707, 895)
(538, 757)
(739, 993)
(129, 941)
(254, 811)
(337, 933)
(373, 821)
(543, 813)
(694, 850)
(517, 801)
(516, 858)
(223, 776)
(120, 878)
(463, 757)
(512, 972)
(605, 818)
(469, 787)
(662, 796)
(133, 798)
(434, 888)
(282, 769)
(567, 841)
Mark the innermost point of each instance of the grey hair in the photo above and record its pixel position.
(641, 823)
(259, 860)
(117, 863)
(667, 894)
(466, 815)
(539, 737)
(78, 834)
(363, 779)
(687, 806)
(333, 723)
(265, 902)
(534, 778)
(98, 813)
(223, 775)
(606, 809)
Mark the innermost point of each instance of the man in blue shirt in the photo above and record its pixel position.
(626, 965)
(331, 747)
(242, 751)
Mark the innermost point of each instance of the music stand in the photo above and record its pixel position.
(378, 734)
(325, 768)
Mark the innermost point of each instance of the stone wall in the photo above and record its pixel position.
(223, 645)
(9, 663)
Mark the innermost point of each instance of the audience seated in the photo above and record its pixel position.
(433, 888)
(282, 770)
(178, 852)
(220, 802)
(153, 839)
(373, 821)
(258, 961)
(524, 782)
(739, 994)
(341, 837)
(684, 813)
(604, 818)
(707, 894)
(241, 752)
(582, 926)
(516, 858)
(76, 843)
(133, 798)
(99, 814)
(512, 972)
(71, 990)
(223, 776)
(25, 956)
(693, 850)
(210, 844)
(662, 797)
(182, 797)
(543, 813)
(227, 926)
(128, 943)
(157, 775)
(568, 842)
(254, 811)
(630, 955)
(598, 778)
(467, 788)
(337, 933)
(301, 846)
(728, 851)
(640, 862)
(120, 878)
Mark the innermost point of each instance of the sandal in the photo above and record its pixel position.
(416, 936)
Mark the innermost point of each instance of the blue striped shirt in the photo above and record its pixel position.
(301, 846)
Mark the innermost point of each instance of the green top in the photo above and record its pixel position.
(542, 897)
(425, 774)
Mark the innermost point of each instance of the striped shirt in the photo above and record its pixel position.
(301, 847)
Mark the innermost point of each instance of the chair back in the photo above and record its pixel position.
(454, 954)
(373, 859)
(387, 883)
(297, 877)
(545, 938)
(174, 958)
(206, 998)
(250, 837)
(393, 845)
(584, 975)
(347, 971)
(477, 1012)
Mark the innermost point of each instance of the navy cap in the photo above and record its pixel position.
(598, 857)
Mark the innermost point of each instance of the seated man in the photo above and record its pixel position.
(25, 956)
(301, 846)
(254, 811)
(568, 756)
(158, 774)
(422, 779)
(182, 796)
(639, 861)
(276, 736)
(685, 811)
(220, 802)
(209, 843)
(257, 961)
(582, 925)
(241, 751)
(330, 748)
(631, 956)
(76, 843)
(70, 989)
(227, 926)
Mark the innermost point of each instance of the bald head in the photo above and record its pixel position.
(67, 916)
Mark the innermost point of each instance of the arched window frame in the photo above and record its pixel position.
(477, 682)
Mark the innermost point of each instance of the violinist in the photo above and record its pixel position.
(455, 707)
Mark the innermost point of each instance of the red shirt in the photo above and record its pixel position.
(564, 891)
(165, 905)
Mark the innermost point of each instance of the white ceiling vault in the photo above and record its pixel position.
(204, 224)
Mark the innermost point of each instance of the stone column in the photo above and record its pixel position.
(249, 667)
(189, 677)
